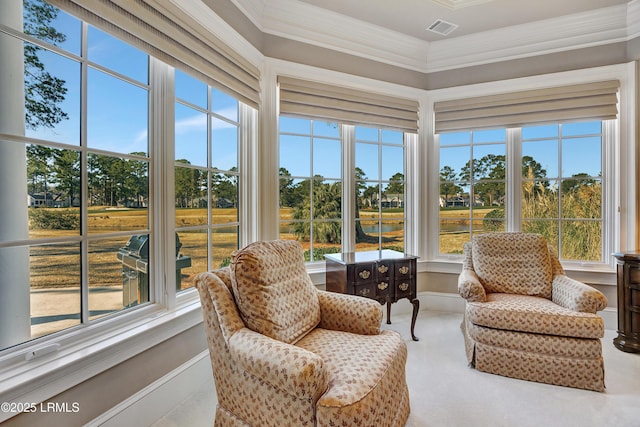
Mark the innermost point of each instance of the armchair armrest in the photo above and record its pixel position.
(292, 369)
(349, 313)
(577, 296)
(469, 286)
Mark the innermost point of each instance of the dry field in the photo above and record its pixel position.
(57, 265)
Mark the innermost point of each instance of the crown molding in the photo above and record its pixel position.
(633, 19)
(252, 9)
(309, 24)
(459, 4)
(306, 23)
(592, 28)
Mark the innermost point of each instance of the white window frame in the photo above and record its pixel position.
(42, 368)
(619, 166)
(269, 154)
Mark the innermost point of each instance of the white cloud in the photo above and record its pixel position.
(189, 124)
(198, 122)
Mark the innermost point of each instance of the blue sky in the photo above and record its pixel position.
(580, 150)
(295, 150)
(117, 110)
(118, 115)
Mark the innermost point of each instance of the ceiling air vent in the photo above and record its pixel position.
(442, 27)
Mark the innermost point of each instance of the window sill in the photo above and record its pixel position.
(88, 351)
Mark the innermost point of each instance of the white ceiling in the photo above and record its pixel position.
(395, 31)
(412, 17)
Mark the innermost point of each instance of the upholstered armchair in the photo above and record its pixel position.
(286, 354)
(524, 318)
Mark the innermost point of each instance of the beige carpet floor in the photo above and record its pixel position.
(446, 392)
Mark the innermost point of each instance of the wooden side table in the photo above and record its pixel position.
(383, 275)
(628, 275)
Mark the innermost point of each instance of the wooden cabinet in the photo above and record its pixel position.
(628, 275)
(385, 276)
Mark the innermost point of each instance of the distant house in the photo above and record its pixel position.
(392, 201)
(224, 203)
(48, 200)
(387, 201)
(460, 200)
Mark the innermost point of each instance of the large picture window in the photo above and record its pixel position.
(312, 179)
(311, 185)
(562, 194)
(206, 177)
(560, 186)
(472, 186)
(380, 195)
(79, 165)
(86, 195)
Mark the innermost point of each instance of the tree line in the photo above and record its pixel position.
(488, 175)
(191, 187)
(54, 175)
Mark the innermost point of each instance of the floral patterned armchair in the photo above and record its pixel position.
(286, 354)
(524, 318)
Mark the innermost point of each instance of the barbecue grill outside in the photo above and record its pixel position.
(134, 257)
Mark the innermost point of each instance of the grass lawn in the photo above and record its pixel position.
(57, 265)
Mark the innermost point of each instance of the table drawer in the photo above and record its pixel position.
(364, 272)
(365, 289)
(383, 288)
(384, 269)
(404, 287)
(404, 270)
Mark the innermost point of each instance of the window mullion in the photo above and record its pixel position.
(610, 197)
(348, 188)
(84, 178)
(514, 179)
(249, 179)
(162, 190)
(411, 195)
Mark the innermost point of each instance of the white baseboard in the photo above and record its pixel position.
(177, 386)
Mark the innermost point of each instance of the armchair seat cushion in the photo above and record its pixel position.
(532, 314)
(365, 374)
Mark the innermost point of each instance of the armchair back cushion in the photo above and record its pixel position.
(513, 263)
(273, 290)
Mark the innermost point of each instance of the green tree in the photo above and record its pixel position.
(571, 185)
(288, 190)
(43, 91)
(39, 172)
(362, 191)
(137, 180)
(396, 184)
(447, 187)
(225, 188)
(188, 185)
(327, 210)
(66, 169)
(490, 173)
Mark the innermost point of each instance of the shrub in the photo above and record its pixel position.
(54, 219)
(494, 220)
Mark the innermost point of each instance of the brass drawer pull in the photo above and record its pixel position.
(364, 274)
(404, 286)
(364, 292)
(383, 268)
(404, 269)
(383, 285)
